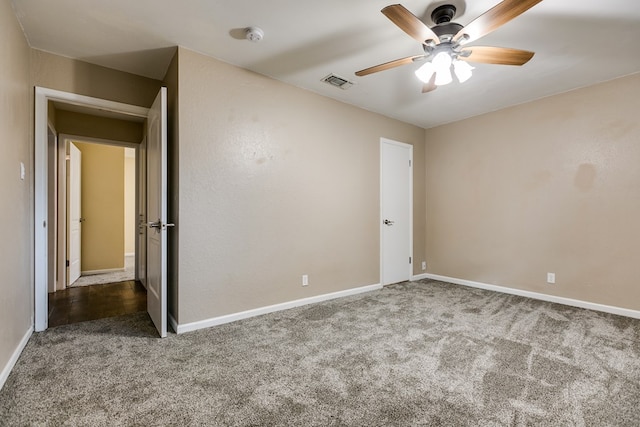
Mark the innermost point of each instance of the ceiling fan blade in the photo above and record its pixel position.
(494, 18)
(496, 55)
(388, 65)
(431, 85)
(409, 23)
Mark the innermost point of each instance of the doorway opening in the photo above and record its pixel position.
(151, 158)
(101, 212)
(95, 274)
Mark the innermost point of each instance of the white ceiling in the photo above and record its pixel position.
(577, 43)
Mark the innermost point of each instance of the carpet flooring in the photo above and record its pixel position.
(418, 353)
(112, 277)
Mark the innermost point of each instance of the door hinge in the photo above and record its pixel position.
(67, 263)
(409, 260)
(409, 163)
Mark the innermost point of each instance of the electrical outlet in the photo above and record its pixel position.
(551, 278)
(424, 265)
(305, 280)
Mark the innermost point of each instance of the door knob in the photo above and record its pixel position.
(159, 225)
(388, 222)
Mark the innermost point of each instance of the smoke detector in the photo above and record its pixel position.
(254, 34)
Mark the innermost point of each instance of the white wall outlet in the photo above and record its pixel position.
(551, 278)
(22, 171)
(424, 265)
(305, 280)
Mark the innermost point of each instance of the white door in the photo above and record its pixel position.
(141, 237)
(75, 220)
(395, 210)
(157, 212)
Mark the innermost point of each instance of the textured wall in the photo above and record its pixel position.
(16, 215)
(73, 123)
(71, 75)
(548, 186)
(276, 182)
(102, 206)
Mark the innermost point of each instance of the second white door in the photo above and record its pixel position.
(396, 177)
(75, 220)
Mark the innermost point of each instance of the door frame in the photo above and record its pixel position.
(63, 140)
(381, 225)
(41, 180)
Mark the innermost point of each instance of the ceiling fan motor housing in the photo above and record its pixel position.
(445, 32)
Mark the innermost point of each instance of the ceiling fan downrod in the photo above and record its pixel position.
(444, 28)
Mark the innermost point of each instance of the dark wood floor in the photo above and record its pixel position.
(93, 302)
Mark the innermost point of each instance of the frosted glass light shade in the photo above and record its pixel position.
(442, 66)
(462, 70)
(443, 77)
(442, 62)
(425, 72)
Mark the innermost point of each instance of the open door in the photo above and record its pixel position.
(75, 221)
(157, 212)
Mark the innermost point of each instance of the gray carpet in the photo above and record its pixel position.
(112, 277)
(424, 353)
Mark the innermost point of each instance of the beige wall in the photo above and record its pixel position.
(71, 75)
(78, 124)
(276, 182)
(548, 186)
(102, 206)
(16, 247)
(129, 201)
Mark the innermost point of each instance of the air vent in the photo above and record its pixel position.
(338, 81)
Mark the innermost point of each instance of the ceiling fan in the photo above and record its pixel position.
(444, 44)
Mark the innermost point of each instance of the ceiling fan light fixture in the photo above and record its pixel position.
(463, 70)
(442, 43)
(425, 72)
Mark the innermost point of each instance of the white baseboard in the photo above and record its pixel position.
(14, 357)
(214, 321)
(535, 295)
(106, 270)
